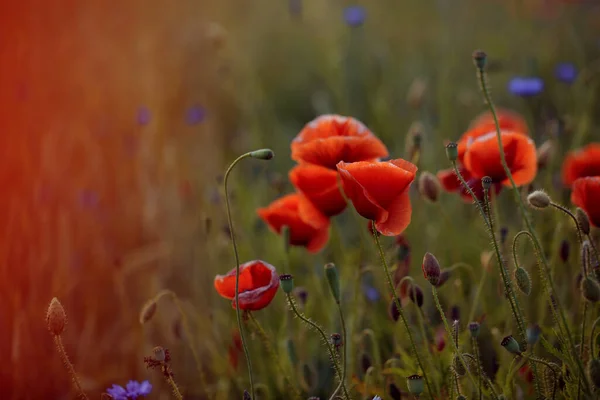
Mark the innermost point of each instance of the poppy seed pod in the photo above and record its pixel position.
(511, 345)
(429, 186)
(486, 182)
(583, 221)
(538, 199)
(452, 151)
(480, 59)
(333, 279)
(159, 353)
(431, 268)
(287, 283)
(56, 318)
(262, 154)
(415, 384)
(523, 280)
(590, 289)
(474, 329)
(594, 371)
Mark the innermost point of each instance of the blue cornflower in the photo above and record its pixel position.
(355, 15)
(525, 86)
(143, 115)
(565, 72)
(131, 391)
(195, 115)
(371, 293)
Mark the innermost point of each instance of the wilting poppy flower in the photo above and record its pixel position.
(581, 163)
(526, 86)
(258, 284)
(320, 186)
(307, 225)
(482, 158)
(330, 139)
(379, 192)
(586, 194)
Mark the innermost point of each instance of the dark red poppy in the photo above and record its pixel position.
(307, 226)
(258, 283)
(451, 183)
(586, 194)
(482, 158)
(581, 163)
(379, 192)
(321, 186)
(330, 139)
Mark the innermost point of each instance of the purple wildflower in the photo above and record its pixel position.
(131, 391)
(371, 293)
(566, 72)
(195, 115)
(526, 86)
(355, 15)
(143, 115)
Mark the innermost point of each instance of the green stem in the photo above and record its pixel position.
(479, 369)
(345, 350)
(69, 366)
(174, 388)
(237, 273)
(483, 376)
(519, 200)
(451, 335)
(326, 340)
(585, 308)
(475, 199)
(550, 366)
(399, 307)
(592, 341)
(570, 214)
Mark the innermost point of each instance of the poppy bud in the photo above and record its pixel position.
(474, 328)
(583, 221)
(334, 280)
(444, 276)
(511, 345)
(523, 280)
(486, 182)
(538, 199)
(148, 311)
(594, 371)
(415, 384)
(416, 295)
(590, 290)
(287, 283)
(393, 310)
(544, 152)
(428, 186)
(56, 318)
(565, 250)
(246, 396)
(336, 339)
(262, 154)
(533, 334)
(431, 269)
(452, 151)
(480, 59)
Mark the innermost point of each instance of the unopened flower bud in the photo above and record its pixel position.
(590, 290)
(523, 280)
(511, 345)
(480, 59)
(474, 329)
(583, 221)
(287, 283)
(415, 384)
(538, 199)
(428, 186)
(393, 310)
(148, 311)
(416, 295)
(544, 152)
(452, 151)
(56, 318)
(431, 268)
(333, 279)
(262, 154)
(565, 250)
(444, 276)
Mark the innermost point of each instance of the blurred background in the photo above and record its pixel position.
(117, 121)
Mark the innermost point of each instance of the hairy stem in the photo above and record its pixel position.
(345, 351)
(479, 369)
(570, 214)
(69, 366)
(176, 392)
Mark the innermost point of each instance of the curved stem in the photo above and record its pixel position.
(488, 381)
(451, 335)
(326, 340)
(65, 359)
(550, 366)
(570, 214)
(399, 306)
(237, 273)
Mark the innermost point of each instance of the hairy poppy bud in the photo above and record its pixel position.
(56, 318)
(538, 199)
(444, 276)
(416, 295)
(565, 250)
(333, 279)
(594, 371)
(583, 221)
(479, 58)
(393, 310)
(523, 280)
(148, 311)
(452, 151)
(262, 154)
(474, 329)
(287, 283)
(511, 345)
(428, 186)
(415, 384)
(431, 269)
(590, 290)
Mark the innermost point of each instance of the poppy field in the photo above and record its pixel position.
(300, 199)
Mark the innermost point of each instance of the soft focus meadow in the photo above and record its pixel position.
(119, 124)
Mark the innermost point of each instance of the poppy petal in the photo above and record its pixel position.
(507, 119)
(449, 180)
(321, 186)
(586, 194)
(399, 215)
(581, 163)
(260, 283)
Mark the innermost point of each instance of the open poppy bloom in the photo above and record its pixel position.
(379, 192)
(330, 139)
(320, 186)
(586, 194)
(482, 158)
(581, 163)
(307, 226)
(451, 183)
(258, 283)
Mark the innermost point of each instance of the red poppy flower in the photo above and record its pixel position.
(586, 194)
(379, 192)
(320, 186)
(258, 284)
(330, 139)
(482, 158)
(307, 225)
(581, 163)
(451, 183)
